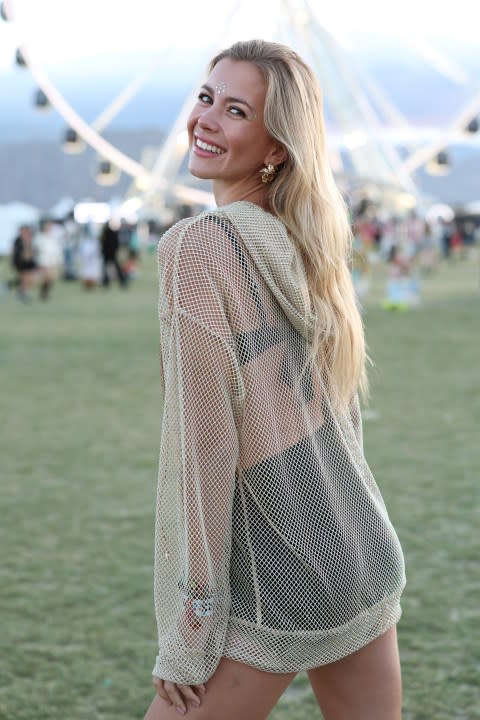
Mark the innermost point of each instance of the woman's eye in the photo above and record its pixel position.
(204, 98)
(237, 112)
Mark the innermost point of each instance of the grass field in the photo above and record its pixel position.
(80, 405)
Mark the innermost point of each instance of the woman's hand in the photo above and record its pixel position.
(179, 695)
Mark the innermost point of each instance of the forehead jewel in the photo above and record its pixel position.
(220, 88)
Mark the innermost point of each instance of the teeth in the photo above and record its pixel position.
(210, 148)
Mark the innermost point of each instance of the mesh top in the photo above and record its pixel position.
(273, 545)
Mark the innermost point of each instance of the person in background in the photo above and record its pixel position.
(70, 238)
(24, 263)
(400, 285)
(274, 552)
(109, 244)
(131, 264)
(457, 249)
(429, 249)
(446, 234)
(89, 258)
(360, 267)
(49, 256)
(468, 236)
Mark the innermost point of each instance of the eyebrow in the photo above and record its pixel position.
(231, 99)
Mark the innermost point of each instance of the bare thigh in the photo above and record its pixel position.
(363, 686)
(235, 691)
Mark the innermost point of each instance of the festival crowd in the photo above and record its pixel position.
(95, 255)
(92, 254)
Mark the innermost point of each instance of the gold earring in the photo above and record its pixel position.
(268, 173)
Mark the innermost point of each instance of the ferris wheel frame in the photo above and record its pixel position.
(148, 182)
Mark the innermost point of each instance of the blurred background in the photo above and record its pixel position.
(94, 96)
(93, 101)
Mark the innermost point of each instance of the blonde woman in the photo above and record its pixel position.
(274, 551)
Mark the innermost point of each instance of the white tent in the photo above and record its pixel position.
(11, 217)
(61, 209)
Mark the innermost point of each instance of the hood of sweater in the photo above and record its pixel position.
(276, 259)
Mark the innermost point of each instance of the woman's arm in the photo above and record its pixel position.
(199, 453)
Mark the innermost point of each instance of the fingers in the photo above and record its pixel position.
(179, 695)
(160, 689)
(188, 696)
(173, 692)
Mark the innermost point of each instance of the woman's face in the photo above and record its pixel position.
(227, 137)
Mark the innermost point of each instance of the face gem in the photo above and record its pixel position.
(221, 88)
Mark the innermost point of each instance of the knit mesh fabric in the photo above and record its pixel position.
(273, 546)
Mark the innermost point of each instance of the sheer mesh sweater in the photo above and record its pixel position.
(273, 546)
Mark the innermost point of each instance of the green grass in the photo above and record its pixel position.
(81, 404)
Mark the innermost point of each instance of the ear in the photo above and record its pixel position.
(277, 155)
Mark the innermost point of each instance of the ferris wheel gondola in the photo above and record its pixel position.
(72, 142)
(41, 101)
(107, 174)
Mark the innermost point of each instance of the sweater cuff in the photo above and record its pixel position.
(184, 668)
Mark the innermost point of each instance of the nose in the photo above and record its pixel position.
(207, 118)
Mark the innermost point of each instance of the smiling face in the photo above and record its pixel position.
(228, 140)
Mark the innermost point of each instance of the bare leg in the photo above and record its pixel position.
(363, 686)
(49, 275)
(235, 691)
(26, 281)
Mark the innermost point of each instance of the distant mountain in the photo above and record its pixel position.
(461, 185)
(37, 172)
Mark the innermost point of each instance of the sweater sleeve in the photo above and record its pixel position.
(198, 459)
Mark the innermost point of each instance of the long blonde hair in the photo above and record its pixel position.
(305, 197)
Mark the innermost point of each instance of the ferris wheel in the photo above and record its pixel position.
(355, 102)
(148, 179)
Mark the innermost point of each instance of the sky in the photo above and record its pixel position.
(60, 30)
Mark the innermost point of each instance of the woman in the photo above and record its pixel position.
(274, 551)
(49, 256)
(23, 261)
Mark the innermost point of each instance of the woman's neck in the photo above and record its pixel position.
(225, 195)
